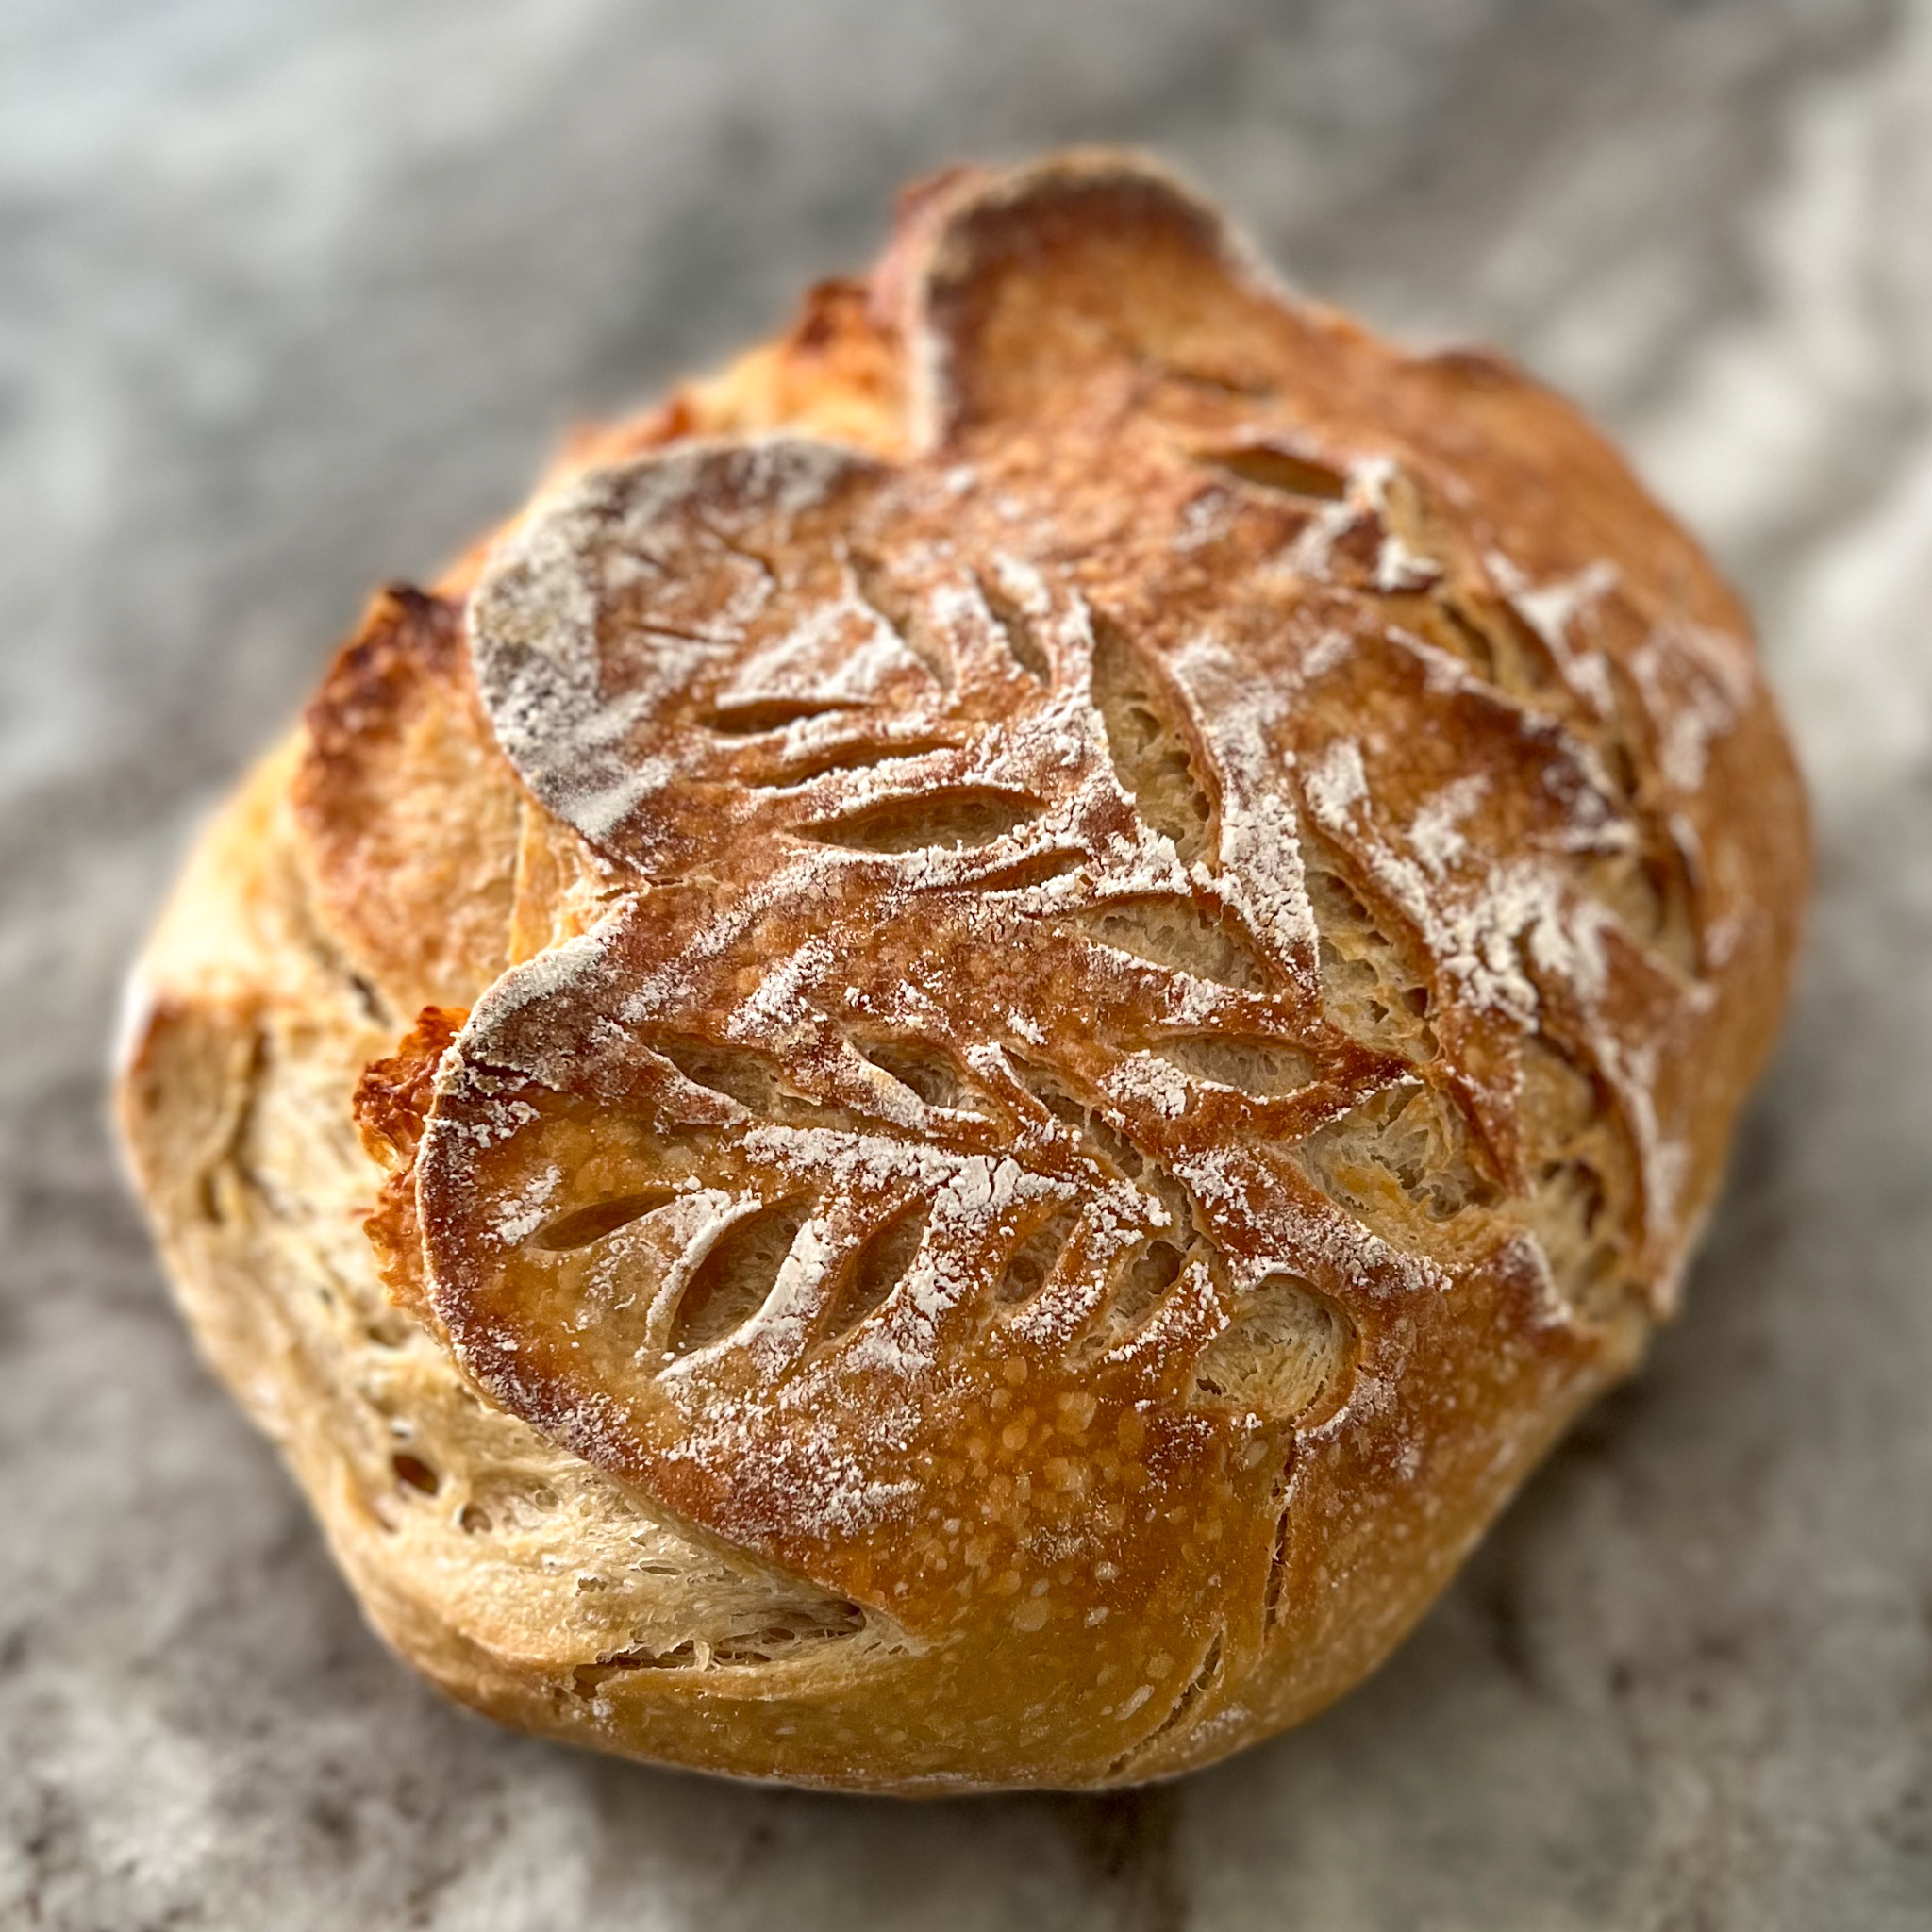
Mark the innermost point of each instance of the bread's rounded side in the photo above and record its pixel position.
(505, 1569)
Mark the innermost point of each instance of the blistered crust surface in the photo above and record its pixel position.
(1177, 978)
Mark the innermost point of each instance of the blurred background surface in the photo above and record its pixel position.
(294, 298)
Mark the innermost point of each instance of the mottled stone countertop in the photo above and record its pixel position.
(293, 298)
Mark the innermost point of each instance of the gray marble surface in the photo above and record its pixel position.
(294, 297)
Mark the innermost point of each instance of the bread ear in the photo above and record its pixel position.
(1013, 288)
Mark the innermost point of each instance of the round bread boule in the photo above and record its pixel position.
(1018, 1000)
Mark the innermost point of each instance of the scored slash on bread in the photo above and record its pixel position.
(1084, 946)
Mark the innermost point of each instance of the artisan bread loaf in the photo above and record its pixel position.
(938, 1083)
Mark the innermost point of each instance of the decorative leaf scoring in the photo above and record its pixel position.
(862, 756)
(749, 1078)
(1581, 1193)
(1157, 766)
(884, 1261)
(1032, 1260)
(1146, 1280)
(1408, 1137)
(1370, 990)
(1098, 1137)
(947, 821)
(1106, 1281)
(1017, 632)
(904, 614)
(931, 1074)
(736, 1278)
(1179, 935)
(1265, 1068)
(1285, 1353)
(583, 1225)
(754, 717)
(1274, 466)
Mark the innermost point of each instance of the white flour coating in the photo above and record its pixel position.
(1444, 674)
(524, 1212)
(1205, 519)
(1552, 1309)
(1260, 872)
(1432, 833)
(813, 1484)
(1313, 548)
(1476, 929)
(1152, 1082)
(1696, 685)
(1335, 783)
(534, 616)
(1550, 610)
(1632, 1074)
(843, 651)
(1397, 566)
(1331, 649)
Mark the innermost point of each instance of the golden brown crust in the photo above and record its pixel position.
(1112, 946)
(406, 810)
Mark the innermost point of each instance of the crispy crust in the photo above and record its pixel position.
(1085, 946)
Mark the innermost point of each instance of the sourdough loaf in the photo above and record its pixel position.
(939, 1082)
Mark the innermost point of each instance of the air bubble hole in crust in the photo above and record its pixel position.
(736, 1278)
(1650, 897)
(947, 821)
(413, 1471)
(505, 1503)
(1153, 757)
